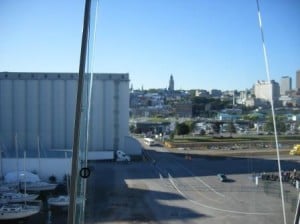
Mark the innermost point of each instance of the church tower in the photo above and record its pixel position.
(171, 84)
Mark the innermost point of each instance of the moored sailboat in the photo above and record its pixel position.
(61, 200)
(39, 186)
(29, 181)
(18, 211)
(15, 197)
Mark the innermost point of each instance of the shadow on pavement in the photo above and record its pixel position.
(111, 199)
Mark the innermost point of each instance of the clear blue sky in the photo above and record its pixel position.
(205, 44)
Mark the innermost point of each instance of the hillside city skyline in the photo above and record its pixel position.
(293, 84)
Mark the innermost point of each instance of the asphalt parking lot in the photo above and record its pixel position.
(170, 188)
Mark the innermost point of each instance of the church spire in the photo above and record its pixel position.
(171, 84)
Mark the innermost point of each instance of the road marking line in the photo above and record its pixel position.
(203, 182)
(214, 208)
(160, 176)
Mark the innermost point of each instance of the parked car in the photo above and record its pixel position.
(222, 177)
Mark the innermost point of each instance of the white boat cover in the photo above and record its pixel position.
(24, 176)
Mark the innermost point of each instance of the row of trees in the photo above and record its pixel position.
(188, 126)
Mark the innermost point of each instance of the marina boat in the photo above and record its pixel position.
(29, 181)
(62, 200)
(18, 211)
(15, 197)
(7, 188)
(38, 186)
(16, 177)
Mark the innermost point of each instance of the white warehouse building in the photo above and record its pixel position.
(40, 107)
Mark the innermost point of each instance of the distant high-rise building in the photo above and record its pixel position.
(298, 80)
(267, 91)
(285, 85)
(171, 83)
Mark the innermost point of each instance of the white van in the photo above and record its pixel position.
(149, 141)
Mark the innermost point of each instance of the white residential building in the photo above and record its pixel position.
(265, 91)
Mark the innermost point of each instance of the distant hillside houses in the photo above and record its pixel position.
(180, 103)
(231, 114)
(228, 117)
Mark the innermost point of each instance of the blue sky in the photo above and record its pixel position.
(205, 44)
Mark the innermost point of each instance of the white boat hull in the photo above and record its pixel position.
(13, 197)
(39, 186)
(8, 188)
(59, 201)
(18, 211)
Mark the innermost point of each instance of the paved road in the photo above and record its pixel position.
(170, 188)
(233, 202)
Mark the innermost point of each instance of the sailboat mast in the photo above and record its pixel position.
(39, 154)
(1, 174)
(25, 190)
(17, 157)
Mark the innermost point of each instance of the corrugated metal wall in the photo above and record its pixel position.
(43, 104)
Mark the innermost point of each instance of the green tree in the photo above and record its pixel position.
(202, 132)
(216, 127)
(182, 129)
(204, 104)
(192, 92)
(231, 128)
(131, 128)
(253, 118)
(191, 124)
(172, 135)
(280, 124)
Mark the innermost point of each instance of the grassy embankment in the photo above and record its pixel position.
(235, 139)
(236, 143)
